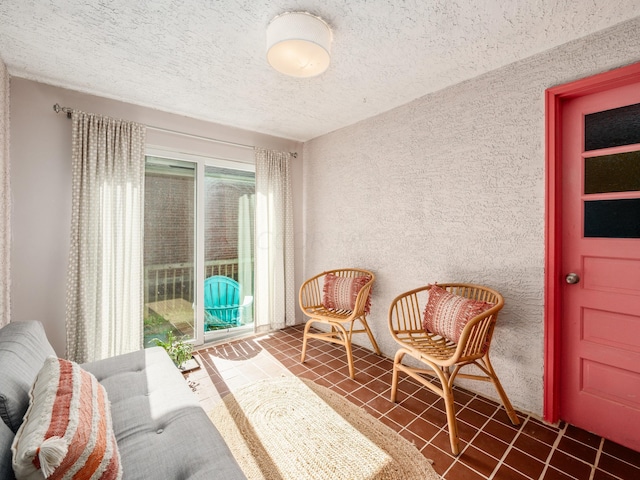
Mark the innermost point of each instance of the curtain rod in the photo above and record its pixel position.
(57, 108)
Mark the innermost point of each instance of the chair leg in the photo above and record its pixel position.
(394, 379)
(304, 340)
(446, 380)
(346, 341)
(341, 338)
(374, 344)
(503, 395)
(352, 371)
(451, 418)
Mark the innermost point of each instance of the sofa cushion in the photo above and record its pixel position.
(447, 314)
(161, 429)
(6, 437)
(23, 350)
(66, 432)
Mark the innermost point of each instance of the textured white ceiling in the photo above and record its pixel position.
(206, 59)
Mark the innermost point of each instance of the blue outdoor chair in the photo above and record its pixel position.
(222, 307)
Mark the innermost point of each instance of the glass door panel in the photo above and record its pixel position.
(228, 250)
(612, 173)
(169, 249)
(612, 128)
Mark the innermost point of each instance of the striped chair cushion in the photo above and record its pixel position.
(67, 430)
(447, 314)
(340, 293)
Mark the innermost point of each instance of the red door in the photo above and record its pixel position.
(600, 326)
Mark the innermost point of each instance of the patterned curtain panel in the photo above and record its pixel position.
(104, 284)
(274, 275)
(5, 200)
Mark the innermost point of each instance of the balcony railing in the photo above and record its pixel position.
(176, 280)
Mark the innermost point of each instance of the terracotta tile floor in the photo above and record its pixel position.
(491, 448)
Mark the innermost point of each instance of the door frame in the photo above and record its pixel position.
(554, 101)
(201, 161)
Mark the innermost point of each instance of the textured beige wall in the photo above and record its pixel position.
(451, 187)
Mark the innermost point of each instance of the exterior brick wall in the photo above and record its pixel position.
(221, 217)
(168, 219)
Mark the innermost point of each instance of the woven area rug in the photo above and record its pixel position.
(292, 429)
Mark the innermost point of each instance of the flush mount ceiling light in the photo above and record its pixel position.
(299, 44)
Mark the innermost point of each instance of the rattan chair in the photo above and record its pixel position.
(443, 357)
(341, 321)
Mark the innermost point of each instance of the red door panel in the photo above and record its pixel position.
(600, 326)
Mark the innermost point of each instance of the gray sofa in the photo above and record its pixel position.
(161, 430)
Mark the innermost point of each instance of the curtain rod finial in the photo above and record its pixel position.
(57, 108)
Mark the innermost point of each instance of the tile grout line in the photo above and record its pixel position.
(508, 450)
(597, 460)
(470, 442)
(554, 447)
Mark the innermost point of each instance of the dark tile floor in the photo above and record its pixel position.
(491, 447)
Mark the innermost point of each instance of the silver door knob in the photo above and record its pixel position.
(572, 278)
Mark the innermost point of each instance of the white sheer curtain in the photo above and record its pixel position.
(274, 275)
(246, 244)
(5, 200)
(104, 286)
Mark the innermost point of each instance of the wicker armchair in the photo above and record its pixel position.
(444, 357)
(341, 318)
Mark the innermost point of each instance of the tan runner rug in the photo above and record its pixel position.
(292, 429)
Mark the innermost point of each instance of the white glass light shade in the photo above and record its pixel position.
(299, 44)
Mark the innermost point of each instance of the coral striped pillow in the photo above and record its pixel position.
(340, 293)
(67, 431)
(447, 314)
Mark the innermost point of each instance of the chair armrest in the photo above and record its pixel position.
(476, 335)
(405, 312)
(310, 293)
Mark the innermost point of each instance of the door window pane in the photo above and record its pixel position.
(612, 128)
(229, 244)
(612, 218)
(612, 173)
(169, 247)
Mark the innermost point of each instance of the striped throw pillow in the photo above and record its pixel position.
(447, 314)
(67, 431)
(340, 293)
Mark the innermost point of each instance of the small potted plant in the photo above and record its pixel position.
(179, 350)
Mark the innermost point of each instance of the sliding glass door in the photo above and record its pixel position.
(228, 244)
(198, 248)
(169, 249)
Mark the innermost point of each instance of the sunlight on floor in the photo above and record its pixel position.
(236, 364)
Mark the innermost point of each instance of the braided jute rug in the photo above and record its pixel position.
(288, 428)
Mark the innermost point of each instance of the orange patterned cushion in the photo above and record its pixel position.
(340, 293)
(67, 431)
(447, 314)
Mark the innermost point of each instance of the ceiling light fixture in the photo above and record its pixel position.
(299, 44)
